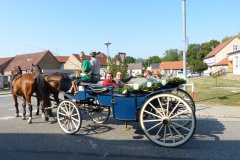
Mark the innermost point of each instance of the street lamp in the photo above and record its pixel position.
(107, 44)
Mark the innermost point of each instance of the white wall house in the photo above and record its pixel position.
(218, 54)
(234, 62)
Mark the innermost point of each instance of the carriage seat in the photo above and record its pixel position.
(98, 88)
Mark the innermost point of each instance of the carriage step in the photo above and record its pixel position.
(52, 107)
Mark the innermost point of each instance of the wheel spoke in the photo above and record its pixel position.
(177, 131)
(180, 113)
(62, 113)
(181, 126)
(174, 108)
(154, 126)
(171, 134)
(152, 114)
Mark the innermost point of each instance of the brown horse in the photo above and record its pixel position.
(57, 82)
(24, 86)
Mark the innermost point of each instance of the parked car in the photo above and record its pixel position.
(180, 74)
(195, 74)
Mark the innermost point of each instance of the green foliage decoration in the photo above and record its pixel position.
(176, 81)
(155, 86)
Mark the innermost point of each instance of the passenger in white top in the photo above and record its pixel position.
(95, 77)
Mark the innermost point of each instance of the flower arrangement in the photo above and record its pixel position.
(176, 81)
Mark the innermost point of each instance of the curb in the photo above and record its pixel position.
(215, 116)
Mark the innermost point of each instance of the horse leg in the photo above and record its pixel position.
(16, 104)
(43, 114)
(28, 99)
(24, 110)
(30, 112)
(38, 103)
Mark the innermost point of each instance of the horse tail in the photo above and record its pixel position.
(42, 87)
(65, 82)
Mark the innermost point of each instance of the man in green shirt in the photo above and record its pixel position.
(85, 75)
(86, 67)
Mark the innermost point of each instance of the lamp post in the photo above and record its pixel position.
(107, 43)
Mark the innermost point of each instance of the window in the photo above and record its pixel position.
(235, 47)
(236, 61)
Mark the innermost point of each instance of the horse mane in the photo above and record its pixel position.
(37, 69)
(19, 70)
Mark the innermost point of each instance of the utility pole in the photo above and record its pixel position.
(184, 38)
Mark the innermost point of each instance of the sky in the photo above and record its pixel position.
(139, 28)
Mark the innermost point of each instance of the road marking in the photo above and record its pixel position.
(7, 117)
(5, 95)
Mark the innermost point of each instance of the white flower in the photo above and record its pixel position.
(164, 82)
(136, 86)
(124, 92)
(149, 84)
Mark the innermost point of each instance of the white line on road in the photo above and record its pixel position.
(7, 117)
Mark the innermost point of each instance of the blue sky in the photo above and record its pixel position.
(140, 28)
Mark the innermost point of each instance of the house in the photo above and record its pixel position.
(46, 61)
(154, 67)
(171, 68)
(223, 64)
(218, 54)
(4, 63)
(62, 60)
(73, 63)
(233, 61)
(137, 68)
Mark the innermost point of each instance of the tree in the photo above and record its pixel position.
(129, 59)
(229, 37)
(198, 65)
(193, 49)
(171, 55)
(114, 67)
(139, 60)
(226, 38)
(205, 48)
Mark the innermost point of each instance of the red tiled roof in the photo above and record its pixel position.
(26, 60)
(222, 62)
(176, 65)
(4, 60)
(219, 48)
(62, 59)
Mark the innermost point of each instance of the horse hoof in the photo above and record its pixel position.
(16, 114)
(23, 118)
(29, 120)
(46, 119)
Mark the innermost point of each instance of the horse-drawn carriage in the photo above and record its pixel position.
(166, 115)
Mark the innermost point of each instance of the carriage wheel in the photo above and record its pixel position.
(165, 124)
(97, 113)
(69, 117)
(186, 96)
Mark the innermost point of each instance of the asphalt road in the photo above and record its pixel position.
(213, 139)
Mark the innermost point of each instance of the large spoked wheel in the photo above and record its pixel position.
(186, 96)
(69, 117)
(97, 113)
(165, 124)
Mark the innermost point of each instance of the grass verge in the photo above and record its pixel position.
(221, 91)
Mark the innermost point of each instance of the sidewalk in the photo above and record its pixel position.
(204, 111)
